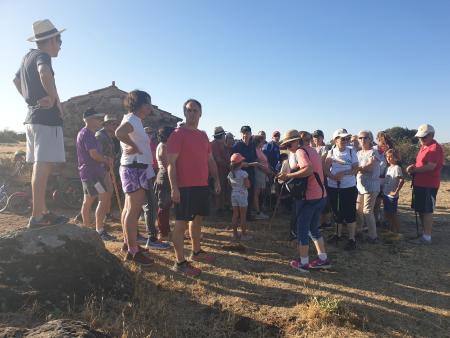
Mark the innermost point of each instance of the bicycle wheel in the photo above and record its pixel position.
(3, 201)
(71, 196)
(19, 203)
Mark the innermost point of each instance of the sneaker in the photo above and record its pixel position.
(34, 223)
(261, 215)
(156, 244)
(326, 226)
(351, 245)
(203, 257)
(187, 269)
(420, 241)
(55, 219)
(105, 236)
(141, 249)
(333, 239)
(246, 237)
(297, 265)
(320, 264)
(139, 258)
(373, 240)
(141, 239)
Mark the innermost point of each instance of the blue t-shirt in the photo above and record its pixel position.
(249, 152)
(272, 151)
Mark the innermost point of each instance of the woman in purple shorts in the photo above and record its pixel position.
(134, 165)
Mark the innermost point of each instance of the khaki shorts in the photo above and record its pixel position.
(45, 143)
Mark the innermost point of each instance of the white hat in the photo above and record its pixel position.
(110, 117)
(342, 132)
(424, 130)
(43, 30)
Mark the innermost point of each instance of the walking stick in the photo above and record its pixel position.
(338, 209)
(116, 190)
(414, 205)
(275, 209)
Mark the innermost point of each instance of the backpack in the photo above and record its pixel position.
(297, 187)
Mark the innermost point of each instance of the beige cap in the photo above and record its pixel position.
(424, 130)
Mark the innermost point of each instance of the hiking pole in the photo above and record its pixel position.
(414, 205)
(275, 209)
(116, 189)
(338, 209)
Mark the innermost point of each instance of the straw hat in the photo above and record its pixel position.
(289, 136)
(219, 131)
(43, 30)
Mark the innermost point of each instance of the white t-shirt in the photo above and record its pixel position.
(342, 161)
(368, 182)
(140, 138)
(393, 175)
(237, 182)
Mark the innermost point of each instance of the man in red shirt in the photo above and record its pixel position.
(190, 162)
(426, 173)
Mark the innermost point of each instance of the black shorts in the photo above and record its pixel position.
(424, 200)
(94, 187)
(343, 203)
(194, 201)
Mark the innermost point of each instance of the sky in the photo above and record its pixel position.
(273, 65)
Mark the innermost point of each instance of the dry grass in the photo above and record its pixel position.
(394, 289)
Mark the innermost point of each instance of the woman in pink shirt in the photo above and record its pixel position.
(305, 162)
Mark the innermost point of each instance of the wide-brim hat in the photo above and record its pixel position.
(43, 30)
(109, 118)
(289, 136)
(219, 131)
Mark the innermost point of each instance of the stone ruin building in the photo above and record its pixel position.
(105, 100)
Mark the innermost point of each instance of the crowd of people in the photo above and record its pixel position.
(349, 178)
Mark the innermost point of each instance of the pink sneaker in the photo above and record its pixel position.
(297, 265)
(320, 264)
(203, 257)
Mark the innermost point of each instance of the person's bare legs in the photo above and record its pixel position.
(122, 219)
(178, 239)
(427, 222)
(39, 178)
(195, 230)
(131, 216)
(257, 191)
(351, 230)
(101, 211)
(243, 213)
(235, 221)
(88, 200)
(320, 246)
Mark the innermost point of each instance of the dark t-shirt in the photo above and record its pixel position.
(249, 152)
(32, 89)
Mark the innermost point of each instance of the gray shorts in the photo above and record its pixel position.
(94, 187)
(239, 199)
(45, 143)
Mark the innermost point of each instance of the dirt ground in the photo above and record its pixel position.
(393, 289)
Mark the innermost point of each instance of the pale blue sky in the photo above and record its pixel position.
(270, 64)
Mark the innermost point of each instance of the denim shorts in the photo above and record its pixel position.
(390, 204)
(308, 219)
(239, 199)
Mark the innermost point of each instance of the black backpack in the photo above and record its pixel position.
(297, 186)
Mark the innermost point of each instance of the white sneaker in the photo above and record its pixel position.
(261, 215)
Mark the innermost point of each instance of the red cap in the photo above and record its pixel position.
(236, 158)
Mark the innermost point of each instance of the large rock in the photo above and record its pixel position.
(58, 266)
(59, 328)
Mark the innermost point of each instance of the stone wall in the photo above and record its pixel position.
(106, 100)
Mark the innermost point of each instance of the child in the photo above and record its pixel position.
(239, 184)
(393, 182)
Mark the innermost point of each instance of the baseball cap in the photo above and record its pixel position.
(236, 158)
(246, 129)
(424, 130)
(92, 113)
(318, 133)
(342, 132)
